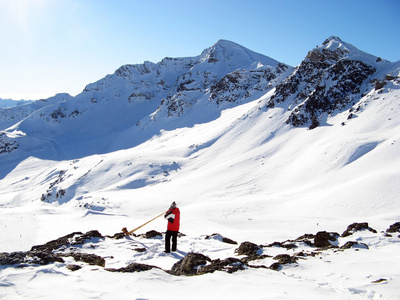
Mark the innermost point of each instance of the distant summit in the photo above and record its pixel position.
(132, 105)
(333, 48)
(137, 102)
(7, 103)
(332, 77)
(225, 50)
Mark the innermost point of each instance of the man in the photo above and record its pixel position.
(173, 216)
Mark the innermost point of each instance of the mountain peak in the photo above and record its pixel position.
(224, 50)
(332, 38)
(225, 43)
(334, 49)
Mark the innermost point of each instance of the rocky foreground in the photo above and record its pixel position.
(247, 254)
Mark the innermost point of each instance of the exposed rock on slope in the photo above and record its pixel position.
(137, 97)
(331, 77)
(248, 254)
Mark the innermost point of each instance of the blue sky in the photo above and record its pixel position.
(52, 46)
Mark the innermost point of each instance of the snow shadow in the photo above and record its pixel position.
(361, 150)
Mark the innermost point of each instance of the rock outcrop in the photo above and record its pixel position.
(330, 78)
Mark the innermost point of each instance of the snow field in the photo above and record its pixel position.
(246, 176)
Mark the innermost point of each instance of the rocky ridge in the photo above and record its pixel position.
(143, 94)
(247, 255)
(149, 97)
(331, 78)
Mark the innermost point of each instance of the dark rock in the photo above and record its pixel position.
(323, 238)
(54, 244)
(248, 248)
(75, 238)
(300, 254)
(247, 259)
(117, 236)
(285, 259)
(352, 228)
(229, 241)
(152, 233)
(7, 145)
(131, 268)
(311, 98)
(73, 268)
(289, 246)
(307, 239)
(274, 244)
(221, 238)
(189, 264)
(91, 259)
(12, 258)
(29, 257)
(43, 257)
(379, 84)
(350, 244)
(229, 265)
(380, 280)
(394, 227)
(390, 77)
(276, 266)
(140, 249)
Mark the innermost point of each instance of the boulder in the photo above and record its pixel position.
(29, 257)
(152, 233)
(43, 257)
(394, 227)
(189, 264)
(221, 238)
(324, 239)
(286, 245)
(91, 259)
(12, 258)
(131, 268)
(229, 265)
(276, 266)
(73, 268)
(140, 249)
(117, 236)
(248, 248)
(75, 238)
(357, 245)
(352, 228)
(307, 239)
(285, 259)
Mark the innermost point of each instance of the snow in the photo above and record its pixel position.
(6, 103)
(244, 174)
(349, 51)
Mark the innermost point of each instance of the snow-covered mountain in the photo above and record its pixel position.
(248, 147)
(333, 77)
(13, 114)
(7, 103)
(122, 108)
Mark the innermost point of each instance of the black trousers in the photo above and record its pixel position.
(174, 235)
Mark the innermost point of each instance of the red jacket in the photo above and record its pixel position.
(173, 214)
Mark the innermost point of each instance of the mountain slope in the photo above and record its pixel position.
(191, 136)
(332, 77)
(7, 103)
(231, 161)
(12, 115)
(122, 108)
